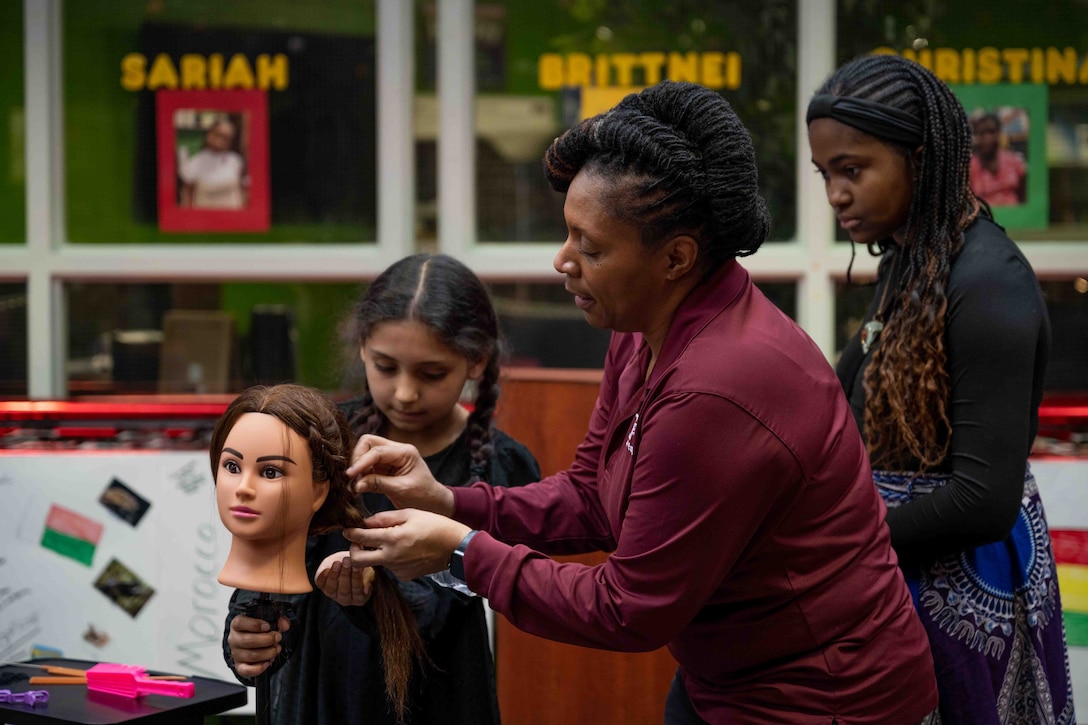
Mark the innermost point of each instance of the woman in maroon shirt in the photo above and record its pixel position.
(722, 467)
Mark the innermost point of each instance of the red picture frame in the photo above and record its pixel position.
(213, 170)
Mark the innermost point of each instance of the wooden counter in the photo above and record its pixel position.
(541, 682)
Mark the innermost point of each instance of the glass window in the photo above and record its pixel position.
(852, 300)
(1067, 305)
(205, 338)
(12, 128)
(13, 339)
(221, 337)
(207, 121)
(1024, 85)
(542, 66)
(782, 294)
(542, 327)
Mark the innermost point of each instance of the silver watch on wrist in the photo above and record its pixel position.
(457, 558)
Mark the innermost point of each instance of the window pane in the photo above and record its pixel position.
(12, 128)
(542, 66)
(851, 302)
(783, 295)
(216, 338)
(1030, 76)
(207, 121)
(13, 354)
(1067, 305)
(222, 337)
(205, 338)
(542, 327)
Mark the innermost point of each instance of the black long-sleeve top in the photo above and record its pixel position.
(998, 341)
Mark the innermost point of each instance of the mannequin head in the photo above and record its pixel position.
(278, 457)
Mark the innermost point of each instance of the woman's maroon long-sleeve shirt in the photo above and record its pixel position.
(734, 493)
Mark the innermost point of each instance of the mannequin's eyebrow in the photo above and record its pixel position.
(261, 459)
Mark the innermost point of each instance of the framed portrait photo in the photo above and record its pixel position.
(212, 154)
(1008, 158)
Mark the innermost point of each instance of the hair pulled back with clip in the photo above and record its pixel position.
(316, 418)
(451, 301)
(906, 383)
(683, 163)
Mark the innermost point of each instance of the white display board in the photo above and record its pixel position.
(56, 591)
(1063, 486)
(112, 557)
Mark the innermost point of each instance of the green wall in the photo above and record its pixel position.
(100, 115)
(12, 126)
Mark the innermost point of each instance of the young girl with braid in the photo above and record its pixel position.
(424, 328)
(945, 378)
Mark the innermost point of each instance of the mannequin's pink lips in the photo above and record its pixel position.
(244, 512)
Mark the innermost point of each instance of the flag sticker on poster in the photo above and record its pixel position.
(71, 534)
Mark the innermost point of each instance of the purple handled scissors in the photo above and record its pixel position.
(30, 697)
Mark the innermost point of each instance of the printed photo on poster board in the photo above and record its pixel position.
(123, 587)
(212, 160)
(1008, 161)
(125, 503)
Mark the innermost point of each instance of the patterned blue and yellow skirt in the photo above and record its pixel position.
(994, 618)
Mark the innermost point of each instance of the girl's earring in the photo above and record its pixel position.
(470, 390)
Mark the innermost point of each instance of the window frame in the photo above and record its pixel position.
(47, 261)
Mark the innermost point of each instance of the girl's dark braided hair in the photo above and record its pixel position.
(683, 164)
(447, 297)
(316, 418)
(907, 383)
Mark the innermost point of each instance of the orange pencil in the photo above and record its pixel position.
(58, 680)
(82, 679)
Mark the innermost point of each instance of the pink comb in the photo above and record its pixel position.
(132, 681)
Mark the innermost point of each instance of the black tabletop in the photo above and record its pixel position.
(75, 704)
